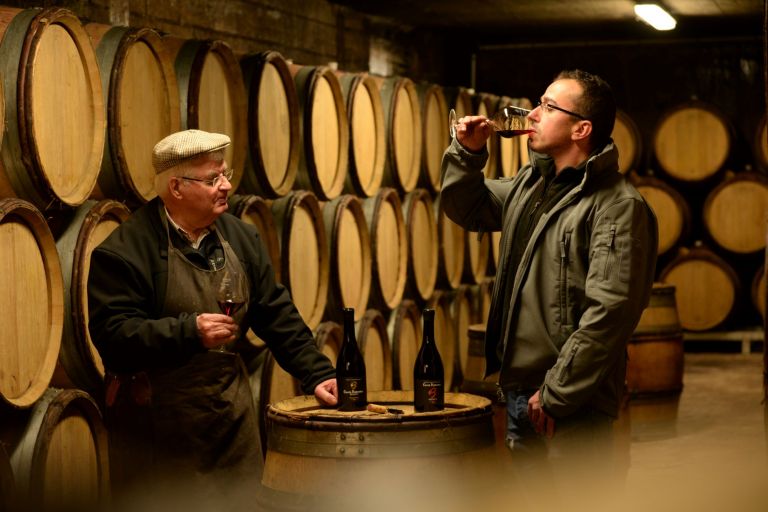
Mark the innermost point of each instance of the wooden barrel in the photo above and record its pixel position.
(671, 209)
(482, 295)
(31, 305)
(329, 336)
(7, 483)
(402, 116)
(304, 265)
(655, 351)
(760, 143)
(477, 249)
(460, 100)
(59, 453)
(142, 107)
(93, 222)
(255, 210)
(274, 125)
(450, 255)
(509, 148)
(435, 136)
(486, 105)
(373, 340)
(474, 380)
(626, 136)
(493, 253)
(212, 95)
(349, 256)
(445, 333)
(54, 112)
(404, 330)
(389, 248)
(522, 140)
(367, 134)
(692, 141)
(758, 290)
(422, 236)
(706, 288)
(735, 212)
(419, 456)
(463, 315)
(324, 131)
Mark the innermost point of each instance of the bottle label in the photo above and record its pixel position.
(429, 395)
(353, 389)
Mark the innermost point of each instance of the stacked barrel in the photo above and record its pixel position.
(712, 216)
(339, 172)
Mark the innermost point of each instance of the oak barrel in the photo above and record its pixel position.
(655, 350)
(304, 265)
(54, 108)
(373, 339)
(324, 131)
(450, 256)
(421, 231)
(435, 136)
(256, 210)
(59, 453)
(274, 126)
(349, 256)
(706, 288)
(402, 116)
(509, 148)
(389, 248)
(760, 143)
(92, 223)
(477, 250)
(445, 333)
(31, 305)
(325, 459)
(463, 315)
(212, 95)
(329, 336)
(626, 136)
(486, 105)
(142, 106)
(735, 212)
(671, 210)
(692, 141)
(404, 330)
(367, 134)
(7, 483)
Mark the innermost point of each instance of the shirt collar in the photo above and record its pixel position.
(195, 243)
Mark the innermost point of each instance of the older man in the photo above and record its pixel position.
(178, 398)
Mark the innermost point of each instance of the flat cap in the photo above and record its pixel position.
(181, 146)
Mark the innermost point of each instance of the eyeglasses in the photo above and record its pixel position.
(548, 107)
(212, 182)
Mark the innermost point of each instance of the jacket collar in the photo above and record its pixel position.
(601, 161)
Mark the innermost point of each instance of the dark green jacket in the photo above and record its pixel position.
(127, 288)
(582, 283)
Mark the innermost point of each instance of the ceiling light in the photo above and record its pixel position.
(655, 16)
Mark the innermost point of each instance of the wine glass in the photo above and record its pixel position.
(510, 121)
(230, 294)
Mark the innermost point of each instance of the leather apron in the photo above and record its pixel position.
(201, 417)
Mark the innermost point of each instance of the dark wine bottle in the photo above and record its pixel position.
(350, 369)
(428, 379)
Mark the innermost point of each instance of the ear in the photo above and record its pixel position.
(582, 130)
(174, 187)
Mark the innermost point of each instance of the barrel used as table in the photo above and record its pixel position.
(322, 459)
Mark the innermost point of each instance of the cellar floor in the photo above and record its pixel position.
(706, 449)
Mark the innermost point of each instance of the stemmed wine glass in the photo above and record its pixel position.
(230, 294)
(510, 121)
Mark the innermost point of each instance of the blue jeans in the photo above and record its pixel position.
(586, 436)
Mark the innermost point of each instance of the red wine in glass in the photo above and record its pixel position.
(229, 307)
(509, 121)
(513, 133)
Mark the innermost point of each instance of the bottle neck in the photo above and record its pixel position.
(349, 325)
(429, 328)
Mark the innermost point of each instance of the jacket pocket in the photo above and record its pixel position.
(564, 370)
(605, 253)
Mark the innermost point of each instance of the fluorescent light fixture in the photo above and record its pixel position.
(655, 16)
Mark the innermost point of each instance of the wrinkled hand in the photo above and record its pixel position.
(472, 132)
(542, 422)
(216, 329)
(326, 392)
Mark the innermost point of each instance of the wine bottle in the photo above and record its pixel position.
(350, 369)
(428, 379)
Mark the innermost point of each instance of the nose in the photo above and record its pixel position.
(224, 183)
